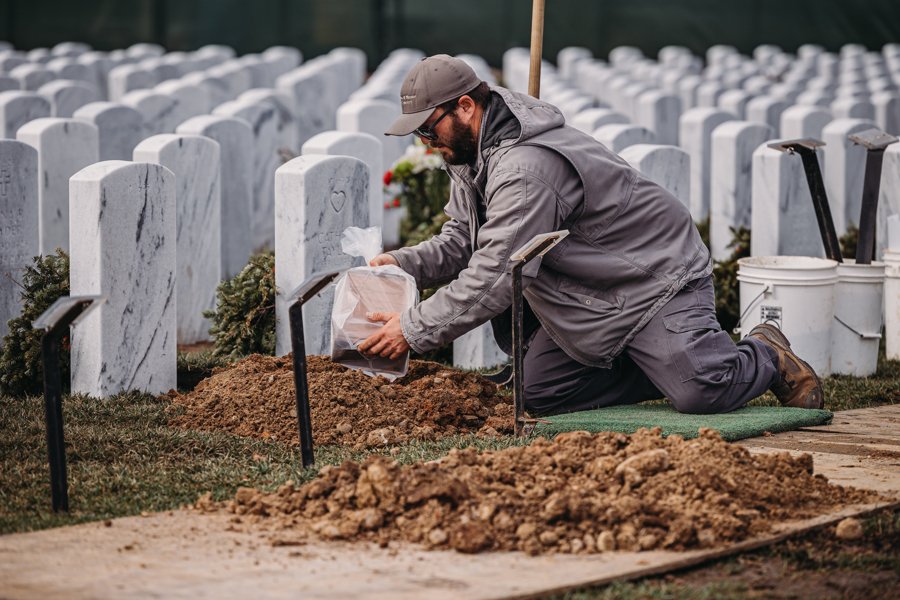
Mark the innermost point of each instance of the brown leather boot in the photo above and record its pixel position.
(797, 384)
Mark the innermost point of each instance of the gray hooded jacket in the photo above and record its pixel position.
(631, 246)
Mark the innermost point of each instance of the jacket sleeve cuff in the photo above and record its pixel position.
(400, 257)
(407, 328)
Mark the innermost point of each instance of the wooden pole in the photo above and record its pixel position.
(537, 48)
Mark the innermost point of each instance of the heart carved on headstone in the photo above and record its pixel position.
(337, 200)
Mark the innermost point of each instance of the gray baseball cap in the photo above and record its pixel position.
(433, 81)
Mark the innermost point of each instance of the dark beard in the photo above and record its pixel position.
(463, 147)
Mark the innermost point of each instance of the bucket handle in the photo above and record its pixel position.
(767, 287)
(865, 336)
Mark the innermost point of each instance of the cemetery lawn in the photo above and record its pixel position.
(124, 459)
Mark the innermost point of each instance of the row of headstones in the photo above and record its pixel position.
(65, 145)
(280, 119)
(131, 232)
(652, 93)
(79, 72)
(711, 171)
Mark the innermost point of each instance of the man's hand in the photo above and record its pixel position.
(387, 342)
(382, 260)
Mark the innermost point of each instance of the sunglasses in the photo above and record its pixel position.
(428, 132)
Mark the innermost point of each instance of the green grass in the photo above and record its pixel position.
(123, 458)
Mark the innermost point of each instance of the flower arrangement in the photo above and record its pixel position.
(418, 183)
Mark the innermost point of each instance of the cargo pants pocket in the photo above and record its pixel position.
(695, 344)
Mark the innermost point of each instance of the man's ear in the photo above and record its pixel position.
(467, 106)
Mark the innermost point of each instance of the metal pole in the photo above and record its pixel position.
(537, 47)
(874, 141)
(55, 322)
(518, 353)
(820, 202)
(865, 245)
(304, 420)
(56, 447)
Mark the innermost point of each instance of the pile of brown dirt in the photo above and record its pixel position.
(255, 397)
(580, 493)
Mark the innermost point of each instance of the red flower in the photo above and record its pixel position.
(387, 177)
(387, 204)
(397, 201)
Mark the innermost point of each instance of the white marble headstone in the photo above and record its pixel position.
(281, 59)
(592, 119)
(287, 117)
(888, 201)
(766, 110)
(194, 160)
(235, 140)
(733, 145)
(619, 137)
(843, 170)
(659, 112)
(374, 117)
(31, 76)
(316, 198)
(127, 78)
(667, 166)
(314, 90)
(237, 77)
(263, 120)
(782, 219)
(121, 128)
(7, 83)
(216, 88)
(800, 121)
(123, 247)
(18, 108)
(64, 147)
(695, 134)
(193, 99)
(477, 349)
(18, 224)
(887, 110)
(366, 148)
(853, 108)
(734, 102)
(162, 113)
(67, 96)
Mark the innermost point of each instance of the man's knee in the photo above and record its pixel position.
(702, 395)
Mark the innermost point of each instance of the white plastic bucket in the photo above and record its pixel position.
(858, 296)
(892, 303)
(796, 294)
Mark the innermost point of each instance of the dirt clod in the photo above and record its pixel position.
(849, 529)
(255, 398)
(580, 493)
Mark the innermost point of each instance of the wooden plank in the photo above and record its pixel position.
(187, 555)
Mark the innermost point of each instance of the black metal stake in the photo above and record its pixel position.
(875, 141)
(55, 321)
(820, 202)
(314, 284)
(298, 348)
(518, 352)
(537, 246)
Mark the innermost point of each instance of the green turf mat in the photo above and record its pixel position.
(750, 421)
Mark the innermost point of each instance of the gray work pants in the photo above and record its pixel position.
(682, 353)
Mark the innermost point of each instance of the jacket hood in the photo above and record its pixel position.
(512, 117)
(533, 116)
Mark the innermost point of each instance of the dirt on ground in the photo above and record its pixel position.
(580, 493)
(255, 397)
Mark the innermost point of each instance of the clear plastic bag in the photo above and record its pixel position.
(364, 290)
